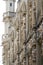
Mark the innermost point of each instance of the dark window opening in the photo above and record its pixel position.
(10, 4)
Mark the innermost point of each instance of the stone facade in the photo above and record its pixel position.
(23, 36)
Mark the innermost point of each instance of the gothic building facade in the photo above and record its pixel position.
(23, 38)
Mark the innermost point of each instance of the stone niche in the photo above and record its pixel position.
(34, 53)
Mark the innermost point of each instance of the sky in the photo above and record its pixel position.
(2, 10)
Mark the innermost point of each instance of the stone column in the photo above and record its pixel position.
(27, 17)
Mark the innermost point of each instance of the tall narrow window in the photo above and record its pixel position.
(10, 4)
